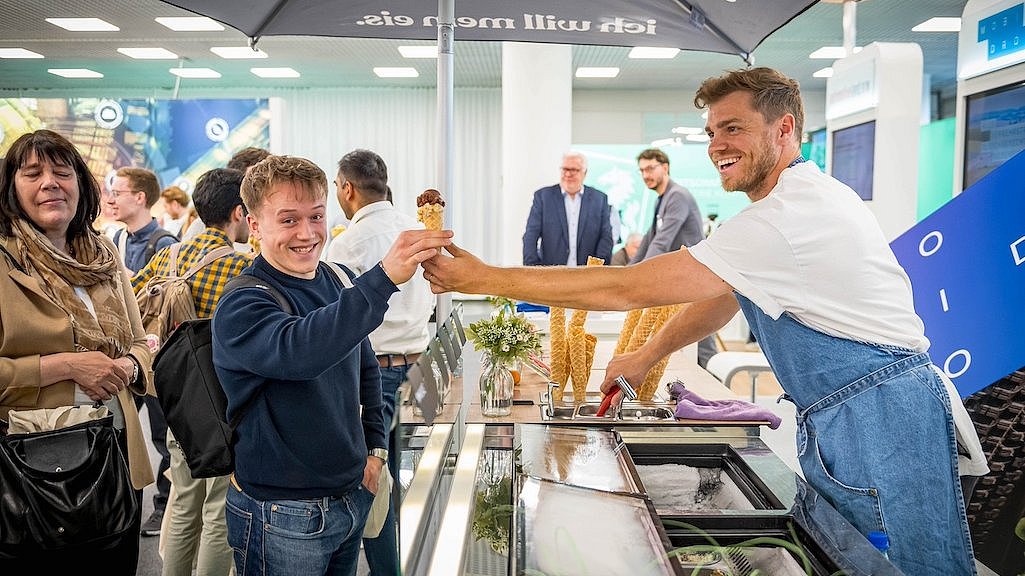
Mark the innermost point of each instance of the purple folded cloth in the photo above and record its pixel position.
(690, 406)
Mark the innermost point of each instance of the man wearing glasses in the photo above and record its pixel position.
(133, 193)
(568, 221)
(677, 222)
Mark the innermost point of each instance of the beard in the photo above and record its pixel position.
(763, 161)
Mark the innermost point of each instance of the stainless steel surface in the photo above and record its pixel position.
(588, 457)
(417, 501)
(627, 412)
(455, 524)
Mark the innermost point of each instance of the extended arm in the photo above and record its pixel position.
(667, 279)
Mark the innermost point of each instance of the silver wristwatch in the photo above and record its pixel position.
(381, 453)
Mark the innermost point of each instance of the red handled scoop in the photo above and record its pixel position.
(627, 389)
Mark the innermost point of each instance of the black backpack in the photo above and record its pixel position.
(190, 394)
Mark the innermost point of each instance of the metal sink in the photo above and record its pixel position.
(633, 412)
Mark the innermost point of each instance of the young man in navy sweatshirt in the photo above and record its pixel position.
(311, 441)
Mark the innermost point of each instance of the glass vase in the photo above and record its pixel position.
(496, 387)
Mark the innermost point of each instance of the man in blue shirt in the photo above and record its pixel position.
(305, 386)
(134, 192)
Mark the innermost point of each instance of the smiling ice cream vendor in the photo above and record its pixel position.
(808, 265)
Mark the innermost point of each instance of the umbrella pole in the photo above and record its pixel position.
(446, 139)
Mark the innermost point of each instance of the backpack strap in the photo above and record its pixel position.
(250, 281)
(121, 239)
(205, 261)
(340, 273)
(151, 244)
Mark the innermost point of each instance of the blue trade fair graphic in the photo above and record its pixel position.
(967, 266)
(1004, 32)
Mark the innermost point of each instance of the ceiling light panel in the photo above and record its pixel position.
(195, 72)
(939, 24)
(395, 72)
(190, 23)
(647, 52)
(826, 72)
(281, 72)
(18, 53)
(83, 24)
(75, 72)
(238, 52)
(597, 72)
(419, 51)
(148, 53)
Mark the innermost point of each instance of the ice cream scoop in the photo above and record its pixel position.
(623, 385)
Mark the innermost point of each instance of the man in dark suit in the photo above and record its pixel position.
(569, 221)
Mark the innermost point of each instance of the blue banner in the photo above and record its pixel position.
(967, 266)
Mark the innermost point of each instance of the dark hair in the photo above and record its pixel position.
(774, 93)
(142, 180)
(654, 154)
(218, 192)
(246, 157)
(367, 172)
(50, 146)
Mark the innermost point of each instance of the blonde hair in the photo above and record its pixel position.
(263, 176)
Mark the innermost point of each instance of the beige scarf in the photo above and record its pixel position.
(94, 267)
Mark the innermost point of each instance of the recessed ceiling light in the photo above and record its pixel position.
(195, 72)
(395, 72)
(688, 130)
(238, 52)
(831, 53)
(597, 72)
(665, 142)
(190, 23)
(698, 137)
(939, 24)
(75, 72)
(826, 72)
(148, 53)
(649, 52)
(18, 53)
(281, 72)
(83, 24)
(419, 51)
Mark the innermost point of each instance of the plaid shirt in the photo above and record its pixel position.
(208, 283)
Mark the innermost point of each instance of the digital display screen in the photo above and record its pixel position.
(994, 130)
(854, 157)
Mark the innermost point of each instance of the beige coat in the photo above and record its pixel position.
(32, 325)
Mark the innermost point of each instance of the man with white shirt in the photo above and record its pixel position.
(568, 221)
(374, 224)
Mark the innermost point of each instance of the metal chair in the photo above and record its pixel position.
(725, 365)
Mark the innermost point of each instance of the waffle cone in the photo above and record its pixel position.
(592, 261)
(558, 349)
(592, 343)
(644, 329)
(632, 317)
(647, 391)
(432, 215)
(578, 362)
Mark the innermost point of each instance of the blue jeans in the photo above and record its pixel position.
(286, 537)
(383, 552)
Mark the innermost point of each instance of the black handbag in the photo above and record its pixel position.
(64, 488)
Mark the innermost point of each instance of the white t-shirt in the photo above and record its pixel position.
(360, 247)
(813, 249)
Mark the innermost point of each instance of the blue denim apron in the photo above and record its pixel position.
(875, 437)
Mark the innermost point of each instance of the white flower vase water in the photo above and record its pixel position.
(496, 387)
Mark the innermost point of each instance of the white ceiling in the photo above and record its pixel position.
(339, 62)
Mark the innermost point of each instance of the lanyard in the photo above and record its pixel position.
(800, 159)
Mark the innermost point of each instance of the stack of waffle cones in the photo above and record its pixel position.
(640, 325)
(572, 349)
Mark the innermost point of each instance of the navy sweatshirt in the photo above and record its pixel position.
(310, 371)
